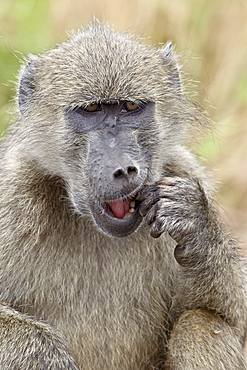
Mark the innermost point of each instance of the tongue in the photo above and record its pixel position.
(120, 207)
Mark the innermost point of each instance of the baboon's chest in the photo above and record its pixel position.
(127, 336)
(119, 320)
(110, 307)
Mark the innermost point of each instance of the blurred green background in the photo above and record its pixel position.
(211, 36)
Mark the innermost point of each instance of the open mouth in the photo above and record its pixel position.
(121, 208)
(118, 217)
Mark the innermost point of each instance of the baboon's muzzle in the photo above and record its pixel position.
(118, 171)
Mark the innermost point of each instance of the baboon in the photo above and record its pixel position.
(112, 253)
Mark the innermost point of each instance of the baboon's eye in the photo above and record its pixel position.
(130, 106)
(92, 107)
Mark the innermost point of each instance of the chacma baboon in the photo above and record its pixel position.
(112, 255)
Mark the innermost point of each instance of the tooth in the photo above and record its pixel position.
(132, 204)
(131, 210)
(127, 215)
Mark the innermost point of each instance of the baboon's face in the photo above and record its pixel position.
(104, 112)
(119, 160)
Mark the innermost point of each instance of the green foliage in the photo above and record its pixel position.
(24, 28)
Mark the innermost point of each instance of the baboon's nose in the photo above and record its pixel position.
(125, 172)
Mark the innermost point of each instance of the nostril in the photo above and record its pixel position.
(118, 174)
(132, 171)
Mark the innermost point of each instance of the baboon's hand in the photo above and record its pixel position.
(176, 205)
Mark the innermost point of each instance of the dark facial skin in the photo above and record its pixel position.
(100, 116)
(118, 164)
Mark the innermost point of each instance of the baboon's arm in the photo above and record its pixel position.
(208, 275)
(202, 340)
(28, 344)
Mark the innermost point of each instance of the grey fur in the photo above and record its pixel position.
(76, 290)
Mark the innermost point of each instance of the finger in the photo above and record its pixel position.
(149, 203)
(155, 233)
(146, 191)
(158, 227)
(154, 213)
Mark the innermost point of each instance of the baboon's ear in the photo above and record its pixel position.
(170, 59)
(27, 84)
